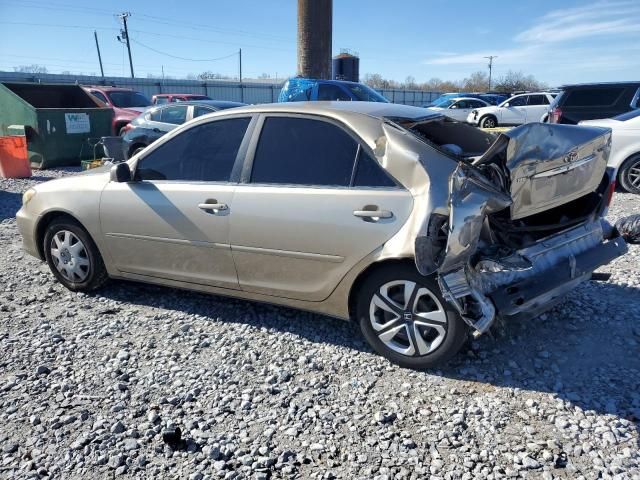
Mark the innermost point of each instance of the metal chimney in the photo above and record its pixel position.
(315, 19)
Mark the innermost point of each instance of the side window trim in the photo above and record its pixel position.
(244, 174)
(237, 165)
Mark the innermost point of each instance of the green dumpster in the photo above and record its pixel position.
(58, 121)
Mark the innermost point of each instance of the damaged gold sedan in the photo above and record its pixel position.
(420, 228)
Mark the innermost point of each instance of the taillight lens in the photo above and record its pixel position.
(612, 189)
(555, 115)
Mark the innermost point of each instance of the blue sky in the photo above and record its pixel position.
(558, 42)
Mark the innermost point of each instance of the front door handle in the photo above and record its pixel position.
(212, 206)
(373, 213)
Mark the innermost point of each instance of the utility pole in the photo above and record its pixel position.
(490, 57)
(240, 63)
(125, 34)
(95, 35)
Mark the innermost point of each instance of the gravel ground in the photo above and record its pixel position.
(88, 384)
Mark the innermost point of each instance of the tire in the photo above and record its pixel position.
(488, 121)
(79, 268)
(394, 331)
(136, 150)
(629, 174)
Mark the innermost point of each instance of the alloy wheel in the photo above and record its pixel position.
(633, 175)
(70, 256)
(408, 318)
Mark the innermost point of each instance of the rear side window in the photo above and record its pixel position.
(593, 97)
(332, 92)
(538, 100)
(369, 173)
(161, 100)
(518, 101)
(203, 153)
(176, 115)
(99, 96)
(302, 151)
(199, 110)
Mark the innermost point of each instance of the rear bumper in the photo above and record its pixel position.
(533, 295)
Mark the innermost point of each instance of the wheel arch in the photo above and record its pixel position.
(621, 167)
(362, 276)
(46, 220)
(486, 115)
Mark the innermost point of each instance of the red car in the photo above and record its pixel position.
(127, 104)
(176, 97)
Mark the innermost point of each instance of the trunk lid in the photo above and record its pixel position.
(547, 165)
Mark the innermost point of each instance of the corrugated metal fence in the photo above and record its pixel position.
(247, 92)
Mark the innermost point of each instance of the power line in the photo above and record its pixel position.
(184, 58)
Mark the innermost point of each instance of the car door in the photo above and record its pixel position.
(303, 216)
(459, 110)
(172, 221)
(514, 111)
(537, 105)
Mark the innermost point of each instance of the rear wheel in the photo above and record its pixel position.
(488, 122)
(629, 175)
(404, 317)
(73, 257)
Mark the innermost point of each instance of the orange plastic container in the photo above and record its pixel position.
(14, 160)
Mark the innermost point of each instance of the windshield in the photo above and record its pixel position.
(365, 94)
(627, 116)
(444, 103)
(128, 99)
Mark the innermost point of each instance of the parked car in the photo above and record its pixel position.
(305, 89)
(127, 104)
(591, 101)
(516, 110)
(351, 209)
(490, 98)
(625, 147)
(459, 108)
(155, 122)
(162, 98)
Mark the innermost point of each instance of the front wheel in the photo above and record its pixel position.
(488, 122)
(629, 176)
(73, 257)
(404, 318)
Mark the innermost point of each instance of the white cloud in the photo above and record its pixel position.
(540, 44)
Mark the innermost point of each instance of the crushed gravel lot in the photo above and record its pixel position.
(88, 384)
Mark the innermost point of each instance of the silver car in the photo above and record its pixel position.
(420, 228)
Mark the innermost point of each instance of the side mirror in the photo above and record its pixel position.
(507, 104)
(453, 106)
(121, 173)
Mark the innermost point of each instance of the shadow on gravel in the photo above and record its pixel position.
(10, 203)
(582, 361)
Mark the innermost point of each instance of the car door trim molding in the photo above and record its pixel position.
(175, 241)
(288, 253)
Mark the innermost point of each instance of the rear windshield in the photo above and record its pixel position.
(628, 116)
(593, 97)
(128, 99)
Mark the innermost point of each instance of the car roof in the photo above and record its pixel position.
(601, 84)
(212, 103)
(338, 109)
(109, 88)
(468, 98)
(180, 95)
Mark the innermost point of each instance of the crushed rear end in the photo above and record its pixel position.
(525, 219)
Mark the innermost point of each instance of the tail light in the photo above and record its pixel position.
(128, 127)
(555, 115)
(612, 189)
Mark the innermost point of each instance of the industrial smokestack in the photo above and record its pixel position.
(315, 19)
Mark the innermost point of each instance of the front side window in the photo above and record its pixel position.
(518, 101)
(327, 91)
(476, 104)
(161, 100)
(155, 115)
(204, 153)
(302, 151)
(593, 97)
(364, 93)
(174, 114)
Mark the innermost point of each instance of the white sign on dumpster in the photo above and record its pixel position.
(77, 122)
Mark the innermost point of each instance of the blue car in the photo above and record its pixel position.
(308, 89)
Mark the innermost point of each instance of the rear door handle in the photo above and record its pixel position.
(373, 213)
(212, 206)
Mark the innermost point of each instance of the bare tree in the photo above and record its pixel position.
(476, 82)
(33, 68)
(515, 81)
